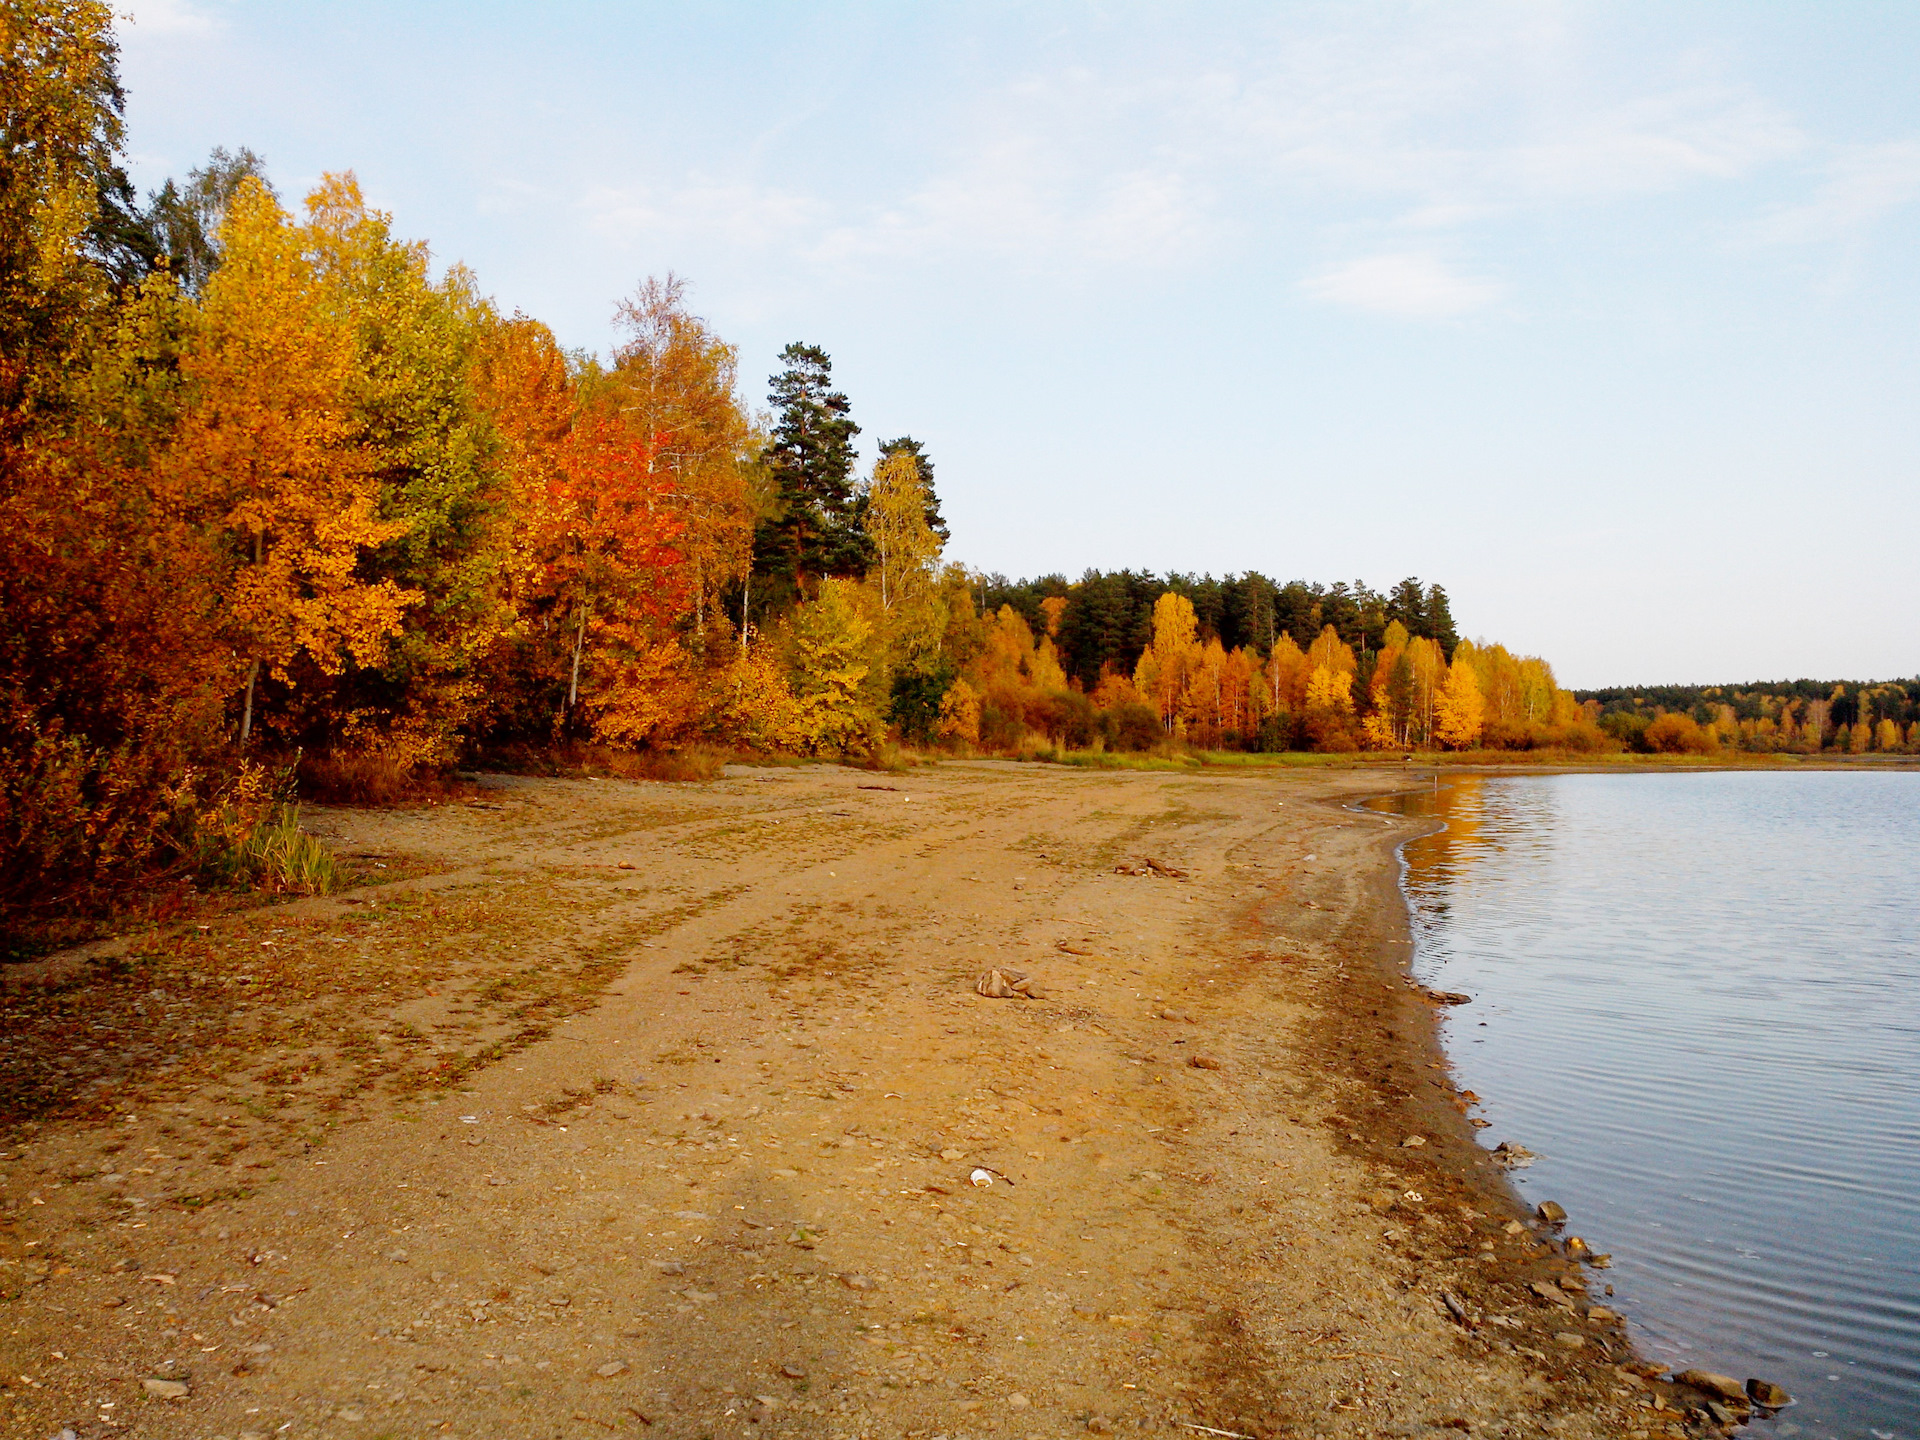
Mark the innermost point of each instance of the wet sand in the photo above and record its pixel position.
(654, 1109)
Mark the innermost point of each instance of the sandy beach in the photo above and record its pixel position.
(668, 1110)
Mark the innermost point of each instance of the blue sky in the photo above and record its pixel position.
(1605, 316)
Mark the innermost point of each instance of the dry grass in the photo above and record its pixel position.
(574, 760)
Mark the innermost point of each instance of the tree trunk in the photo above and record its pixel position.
(246, 712)
(579, 641)
(253, 670)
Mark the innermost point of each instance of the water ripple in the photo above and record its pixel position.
(1697, 998)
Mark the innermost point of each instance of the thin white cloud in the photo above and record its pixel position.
(1442, 127)
(1408, 286)
(739, 216)
(1864, 184)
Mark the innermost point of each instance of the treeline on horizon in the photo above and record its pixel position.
(1795, 717)
(280, 506)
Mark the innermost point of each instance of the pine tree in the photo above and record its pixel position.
(810, 458)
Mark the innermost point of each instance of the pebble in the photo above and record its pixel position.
(166, 1389)
(1551, 1211)
(1601, 1315)
(952, 1154)
(793, 1372)
(1765, 1392)
(1099, 1425)
(1017, 1401)
(1569, 1339)
(611, 1369)
(1413, 1142)
(853, 1280)
(668, 1267)
(1203, 1062)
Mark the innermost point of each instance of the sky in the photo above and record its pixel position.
(1604, 316)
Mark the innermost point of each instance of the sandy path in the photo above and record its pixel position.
(721, 1188)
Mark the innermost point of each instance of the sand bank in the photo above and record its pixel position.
(656, 1110)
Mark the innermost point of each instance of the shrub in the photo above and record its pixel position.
(1131, 726)
(348, 779)
(1674, 734)
(1278, 731)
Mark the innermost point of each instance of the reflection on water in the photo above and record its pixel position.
(1698, 1001)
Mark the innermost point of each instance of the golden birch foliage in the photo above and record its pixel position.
(1203, 701)
(1459, 708)
(1285, 675)
(913, 603)
(1330, 652)
(1044, 670)
(750, 703)
(1007, 660)
(960, 713)
(1161, 675)
(268, 450)
(1241, 693)
(1886, 736)
(439, 464)
(1429, 665)
(1330, 689)
(837, 705)
(896, 522)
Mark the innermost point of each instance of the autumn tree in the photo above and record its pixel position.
(837, 709)
(1170, 657)
(912, 449)
(674, 384)
(182, 220)
(1459, 707)
(269, 452)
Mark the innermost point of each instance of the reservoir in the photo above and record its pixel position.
(1697, 1001)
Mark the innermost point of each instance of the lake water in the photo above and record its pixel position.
(1697, 1000)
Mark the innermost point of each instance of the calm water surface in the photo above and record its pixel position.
(1697, 999)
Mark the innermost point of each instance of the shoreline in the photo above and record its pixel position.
(750, 1001)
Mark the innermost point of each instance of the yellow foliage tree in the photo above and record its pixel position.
(750, 702)
(960, 713)
(1286, 675)
(266, 448)
(836, 708)
(896, 522)
(1161, 675)
(1330, 689)
(1458, 708)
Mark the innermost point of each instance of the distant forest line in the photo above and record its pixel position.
(1783, 716)
(1107, 620)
